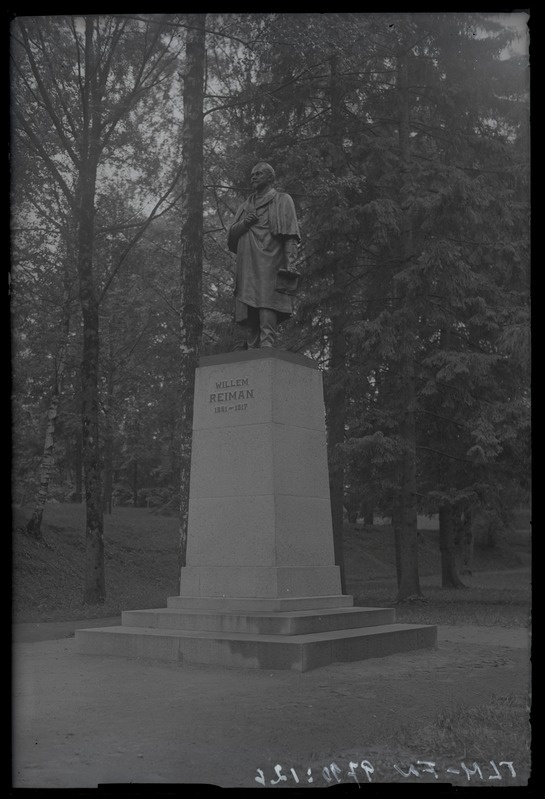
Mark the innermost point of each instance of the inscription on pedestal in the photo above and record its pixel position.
(225, 400)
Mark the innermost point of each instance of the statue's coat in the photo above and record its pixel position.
(260, 253)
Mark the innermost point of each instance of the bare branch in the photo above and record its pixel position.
(138, 235)
(46, 98)
(189, 27)
(45, 157)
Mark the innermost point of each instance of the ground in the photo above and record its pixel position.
(83, 721)
(80, 720)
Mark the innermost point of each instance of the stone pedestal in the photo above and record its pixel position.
(259, 510)
(260, 588)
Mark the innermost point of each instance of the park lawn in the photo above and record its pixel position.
(140, 563)
(477, 605)
(142, 571)
(485, 744)
(473, 733)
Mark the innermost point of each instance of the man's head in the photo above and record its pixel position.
(262, 176)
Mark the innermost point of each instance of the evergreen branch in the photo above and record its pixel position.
(444, 418)
(234, 104)
(444, 454)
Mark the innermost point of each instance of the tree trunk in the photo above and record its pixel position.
(368, 515)
(95, 588)
(466, 543)
(335, 435)
(408, 580)
(95, 585)
(191, 248)
(396, 527)
(108, 427)
(34, 526)
(78, 469)
(447, 543)
(135, 483)
(336, 404)
(108, 471)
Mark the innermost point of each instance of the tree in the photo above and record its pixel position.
(191, 247)
(34, 526)
(71, 114)
(402, 140)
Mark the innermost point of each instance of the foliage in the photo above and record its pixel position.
(142, 569)
(404, 141)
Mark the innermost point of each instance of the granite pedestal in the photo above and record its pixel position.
(260, 588)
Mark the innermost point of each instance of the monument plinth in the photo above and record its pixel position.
(259, 512)
(260, 587)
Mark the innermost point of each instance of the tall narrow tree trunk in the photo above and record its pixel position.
(34, 526)
(336, 396)
(396, 526)
(108, 470)
(448, 546)
(336, 414)
(78, 469)
(108, 429)
(408, 580)
(95, 585)
(466, 543)
(135, 483)
(191, 247)
(368, 514)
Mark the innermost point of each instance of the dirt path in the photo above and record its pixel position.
(82, 720)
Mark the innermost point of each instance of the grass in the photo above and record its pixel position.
(459, 739)
(141, 571)
(140, 564)
(473, 733)
(497, 731)
(482, 606)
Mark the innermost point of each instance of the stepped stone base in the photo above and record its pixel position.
(260, 588)
(260, 638)
(254, 604)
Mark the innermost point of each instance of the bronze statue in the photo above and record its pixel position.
(264, 235)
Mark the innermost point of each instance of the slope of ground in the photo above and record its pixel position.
(141, 561)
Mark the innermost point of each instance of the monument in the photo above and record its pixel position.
(260, 588)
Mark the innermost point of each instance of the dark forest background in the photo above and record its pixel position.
(404, 142)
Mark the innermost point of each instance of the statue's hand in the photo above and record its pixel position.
(250, 219)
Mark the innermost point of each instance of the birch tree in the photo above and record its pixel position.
(191, 323)
(71, 114)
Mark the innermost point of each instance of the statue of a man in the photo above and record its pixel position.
(264, 235)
